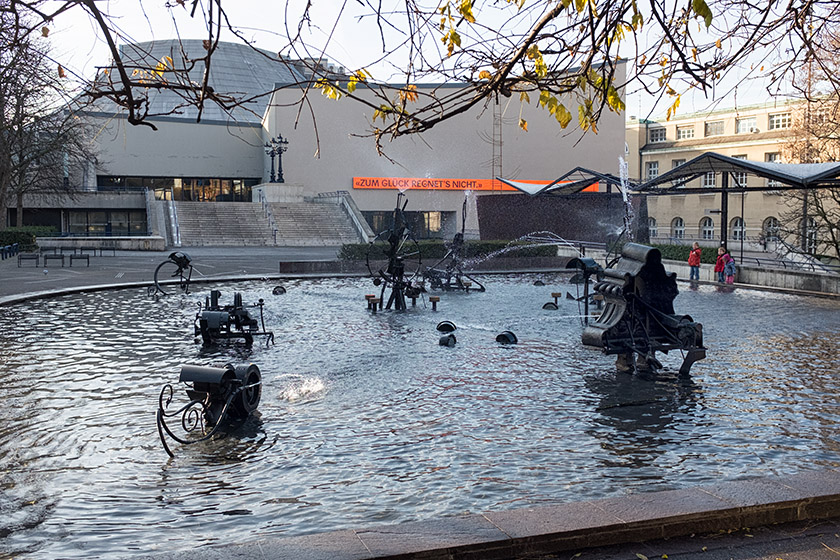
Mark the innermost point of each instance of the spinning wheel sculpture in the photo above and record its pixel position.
(447, 273)
(401, 253)
(172, 273)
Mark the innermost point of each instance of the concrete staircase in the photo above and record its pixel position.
(216, 224)
(312, 223)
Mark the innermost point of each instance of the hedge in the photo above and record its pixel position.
(23, 236)
(680, 253)
(436, 249)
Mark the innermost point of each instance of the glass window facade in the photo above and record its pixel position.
(180, 188)
(106, 222)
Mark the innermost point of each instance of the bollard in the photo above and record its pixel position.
(551, 306)
(374, 303)
(369, 298)
(446, 326)
(434, 300)
(506, 337)
(278, 291)
(447, 340)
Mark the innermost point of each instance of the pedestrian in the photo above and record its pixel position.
(694, 262)
(729, 268)
(719, 264)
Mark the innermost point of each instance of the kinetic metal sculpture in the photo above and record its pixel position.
(216, 322)
(179, 267)
(216, 396)
(402, 255)
(638, 317)
(447, 273)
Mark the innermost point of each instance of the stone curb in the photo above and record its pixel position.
(565, 527)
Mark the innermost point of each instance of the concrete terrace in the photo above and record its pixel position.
(794, 517)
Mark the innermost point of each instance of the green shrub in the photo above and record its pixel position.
(680, 253)
(23, 236)
(431, 249)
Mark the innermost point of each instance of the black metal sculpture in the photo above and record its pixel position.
(586, 267)
(447, 274)
(638, 317)
(401, 254)
(216, 395)
(175, 271)
(216, 322)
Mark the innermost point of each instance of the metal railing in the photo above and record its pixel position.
(268, 215)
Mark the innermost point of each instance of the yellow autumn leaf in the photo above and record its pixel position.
(523, 96)
(563, 116)
(718, 44)
(523, 124)
(45, 31)
(484, 75)
(61, 72)
(408, 93)
(465, 10)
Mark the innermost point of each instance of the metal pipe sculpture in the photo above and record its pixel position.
(447, 274)
(402, 256)
(216, 395)
(586, 267)
(638, 319)
(177, 266)
(216, 322)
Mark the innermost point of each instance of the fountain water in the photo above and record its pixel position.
(347, 436)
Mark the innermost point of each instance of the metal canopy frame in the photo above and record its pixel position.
(571, 182)
(788, 177)
(792, 176)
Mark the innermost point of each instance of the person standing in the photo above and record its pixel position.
(694, 262)
(719, 264)
(729, 268)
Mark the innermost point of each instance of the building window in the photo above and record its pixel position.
(652, 169)
(713, 128)
(707, 228)
(657, 134)
(652, 232)
(710, 179)
(770, 229)
(773, 157)
(674, 164)
(740, 177)
(744, 125)
(776, 121)
(685, 132)
(738, 229)
(677, 228)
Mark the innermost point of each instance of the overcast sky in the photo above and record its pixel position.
(78, 45)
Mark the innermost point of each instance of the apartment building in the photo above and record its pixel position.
(756, 133)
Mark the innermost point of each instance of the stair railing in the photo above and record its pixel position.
(268, 215)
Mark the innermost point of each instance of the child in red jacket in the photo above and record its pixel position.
(694, 262)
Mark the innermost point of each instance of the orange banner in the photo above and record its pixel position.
(431, 183)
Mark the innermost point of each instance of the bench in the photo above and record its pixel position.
(55, 257)
(109, 247)
(83, 250)
(71, 250)
(29, 257)
(80, 257)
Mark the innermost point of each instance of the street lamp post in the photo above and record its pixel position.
(275, 147)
